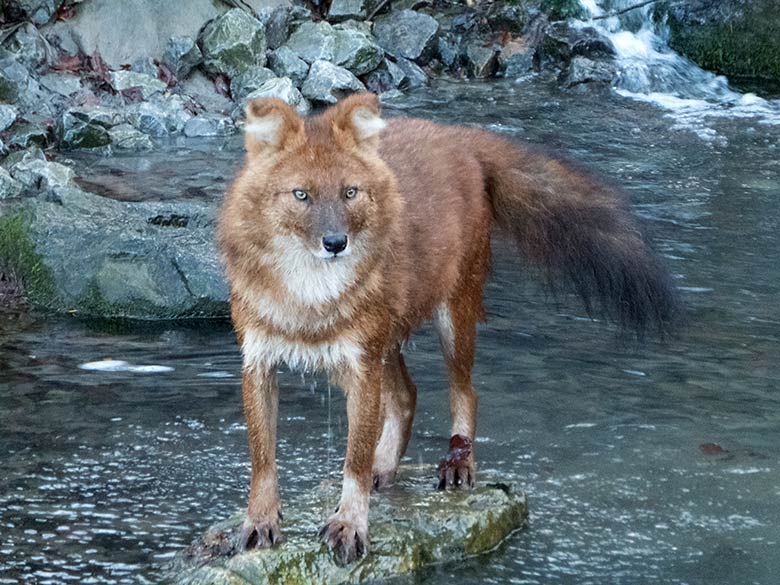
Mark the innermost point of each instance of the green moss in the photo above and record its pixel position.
(20, 260)
(747, 47)
(562, 9)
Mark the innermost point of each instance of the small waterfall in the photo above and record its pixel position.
(650, 71)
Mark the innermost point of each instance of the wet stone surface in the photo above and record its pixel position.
(412, 526)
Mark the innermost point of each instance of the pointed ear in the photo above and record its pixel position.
(356, 121)
(272, 125)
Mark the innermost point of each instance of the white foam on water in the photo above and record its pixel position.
(109, 365)
(650, 71)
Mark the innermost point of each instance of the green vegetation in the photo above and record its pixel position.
(562, 9)
(20, 261)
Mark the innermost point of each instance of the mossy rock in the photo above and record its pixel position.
(412, 526)
(19, 260)
(731, 37)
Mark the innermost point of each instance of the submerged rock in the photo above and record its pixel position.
(586, 71)
(126, 137)
(412, 526)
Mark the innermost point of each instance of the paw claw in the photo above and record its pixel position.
(259, 533)
(456, 470)
(347, 541)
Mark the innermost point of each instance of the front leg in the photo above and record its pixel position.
(261, 405)
(346, 531)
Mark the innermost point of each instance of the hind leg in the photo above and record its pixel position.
(457, 331)
(456, 321)
(399, 398)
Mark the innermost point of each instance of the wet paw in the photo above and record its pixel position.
(456, 470)
(383, 479)
(347, 541)
(260, 532)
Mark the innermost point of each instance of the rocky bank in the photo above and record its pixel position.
(113, 76)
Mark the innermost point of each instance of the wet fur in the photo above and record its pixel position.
(420, 229)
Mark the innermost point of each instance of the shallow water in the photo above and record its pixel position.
(643, 463)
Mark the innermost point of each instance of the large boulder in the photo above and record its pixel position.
(135, 260)
(407, 34)
(127, 30)
(736, 38)
(281, 88)
(413, 526)
(313, 41)
(285, 63)
(233, 43)
(181, 56)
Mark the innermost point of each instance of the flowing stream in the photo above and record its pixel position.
(650, 71)
(643, 462)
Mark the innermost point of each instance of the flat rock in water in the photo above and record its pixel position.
(412, 526)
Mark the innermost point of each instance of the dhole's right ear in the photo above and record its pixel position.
(272, 125)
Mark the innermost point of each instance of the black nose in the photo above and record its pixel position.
(335, 243)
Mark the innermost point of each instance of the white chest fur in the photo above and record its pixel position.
(266, 350)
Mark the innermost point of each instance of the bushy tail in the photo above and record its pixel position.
(576, 229)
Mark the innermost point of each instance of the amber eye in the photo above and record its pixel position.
(351, 193)
(300, 194)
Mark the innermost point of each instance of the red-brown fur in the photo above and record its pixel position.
(429, 196)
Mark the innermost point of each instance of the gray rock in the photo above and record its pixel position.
(341, 10)
(313, 41)
(562, 42)
(285, 63)
(125, 31)
(282, 21)
(482, 61)
(3, 150)
(209, 125)
(145, 65)
(413, 528)
(201, 90)
(327, 83)
(37, 11)
(181, 56)
(64, 84)
(27, 45)
(248, 81)
(77, 128)
(27, 134)
(407, 34)
(147, 84)
(136, 260)
(8, 116)
(582, 70)
(32, 153)
(126, 137)
(516, 59)
(9, 90)
(232, 43)
(356, 51)
(451, 52)
(283, 89)
(159, 117)
(414, 76)
(9, 187)
(42, 174)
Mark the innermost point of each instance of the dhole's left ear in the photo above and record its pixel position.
(356, 121)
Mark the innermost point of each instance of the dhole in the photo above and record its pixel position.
(344, 232)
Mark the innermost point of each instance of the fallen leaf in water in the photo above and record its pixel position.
(712, 449)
